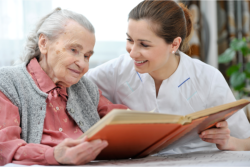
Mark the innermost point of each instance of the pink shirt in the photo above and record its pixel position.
(58, 125)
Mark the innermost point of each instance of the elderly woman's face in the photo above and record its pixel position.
(66, 59)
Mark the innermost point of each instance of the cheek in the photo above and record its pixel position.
(86, 68)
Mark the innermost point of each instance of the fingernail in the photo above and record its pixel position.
(218, 124)
(105, 143)
(98, 141)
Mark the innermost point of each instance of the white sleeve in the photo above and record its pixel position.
(220, 93)
(104, 76)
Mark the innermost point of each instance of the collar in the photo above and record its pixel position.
(44, 82)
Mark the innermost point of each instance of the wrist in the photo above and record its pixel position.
(49, 156)
(235, 144)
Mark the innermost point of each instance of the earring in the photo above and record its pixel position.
(172, 52)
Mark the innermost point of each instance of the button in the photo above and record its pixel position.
(81, 123)
(57, 108)
(60, 129)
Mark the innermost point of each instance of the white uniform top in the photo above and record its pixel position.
(192, 87)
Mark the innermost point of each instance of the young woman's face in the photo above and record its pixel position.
(150, 53)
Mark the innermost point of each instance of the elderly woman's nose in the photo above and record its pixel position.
(82, 62)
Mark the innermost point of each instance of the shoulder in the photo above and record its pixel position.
(199, 70)
(90, 86)
(8, 71)
(197, 67)
(10, 74)
(206, 79)
(12, 81)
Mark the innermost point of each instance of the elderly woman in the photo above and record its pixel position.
(47, 100)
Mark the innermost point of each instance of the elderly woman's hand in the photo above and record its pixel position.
(219, 135)
(78, 152)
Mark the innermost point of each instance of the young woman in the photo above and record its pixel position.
(156, 74)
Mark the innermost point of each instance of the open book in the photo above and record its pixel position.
(135, 134)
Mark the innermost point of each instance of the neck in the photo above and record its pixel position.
(165, 72)
(44, 65)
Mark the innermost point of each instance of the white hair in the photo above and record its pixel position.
(51, 26)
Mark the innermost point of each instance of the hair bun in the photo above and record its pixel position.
(57, 9)
(189, 24)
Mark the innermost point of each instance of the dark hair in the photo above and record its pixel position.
(170, 20)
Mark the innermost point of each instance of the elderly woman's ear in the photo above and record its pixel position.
(43, 45)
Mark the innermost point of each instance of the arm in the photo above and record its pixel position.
(15, 150)
(234, 133)
(12, 147)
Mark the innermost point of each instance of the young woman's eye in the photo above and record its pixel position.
(144, 45)
(128, 39)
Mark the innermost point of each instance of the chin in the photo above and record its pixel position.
(73, 81)
(141, 71)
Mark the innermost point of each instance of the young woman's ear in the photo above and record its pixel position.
(176, 44)
(42, 44)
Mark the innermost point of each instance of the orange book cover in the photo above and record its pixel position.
(127, 140)
(168, 139)
(134, 134)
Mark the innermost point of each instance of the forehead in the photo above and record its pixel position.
(76, 34)
(140, 28)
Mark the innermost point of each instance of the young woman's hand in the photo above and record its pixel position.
(219, 135)
(78, 152)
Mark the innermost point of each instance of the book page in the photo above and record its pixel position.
(215, 158)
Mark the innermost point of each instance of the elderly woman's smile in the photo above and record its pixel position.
(66, 58)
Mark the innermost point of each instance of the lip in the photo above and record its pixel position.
(75, 72)
(139, 64)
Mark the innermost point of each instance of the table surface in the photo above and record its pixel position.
(214, 158)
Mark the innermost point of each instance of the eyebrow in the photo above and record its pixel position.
(76, 46)
(143, 40)
(80, 47)
(91, 52)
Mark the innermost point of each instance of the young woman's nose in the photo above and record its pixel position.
(134, 52)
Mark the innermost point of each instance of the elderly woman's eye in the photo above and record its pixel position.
(74, 50)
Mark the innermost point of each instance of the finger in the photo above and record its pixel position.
(92, 155)
(85, 138)
(87, 151)
(216, 131)
(71, 142)
(217, 136)
(99, 149)
(216, 141)
(222, 124)
(87, 147)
